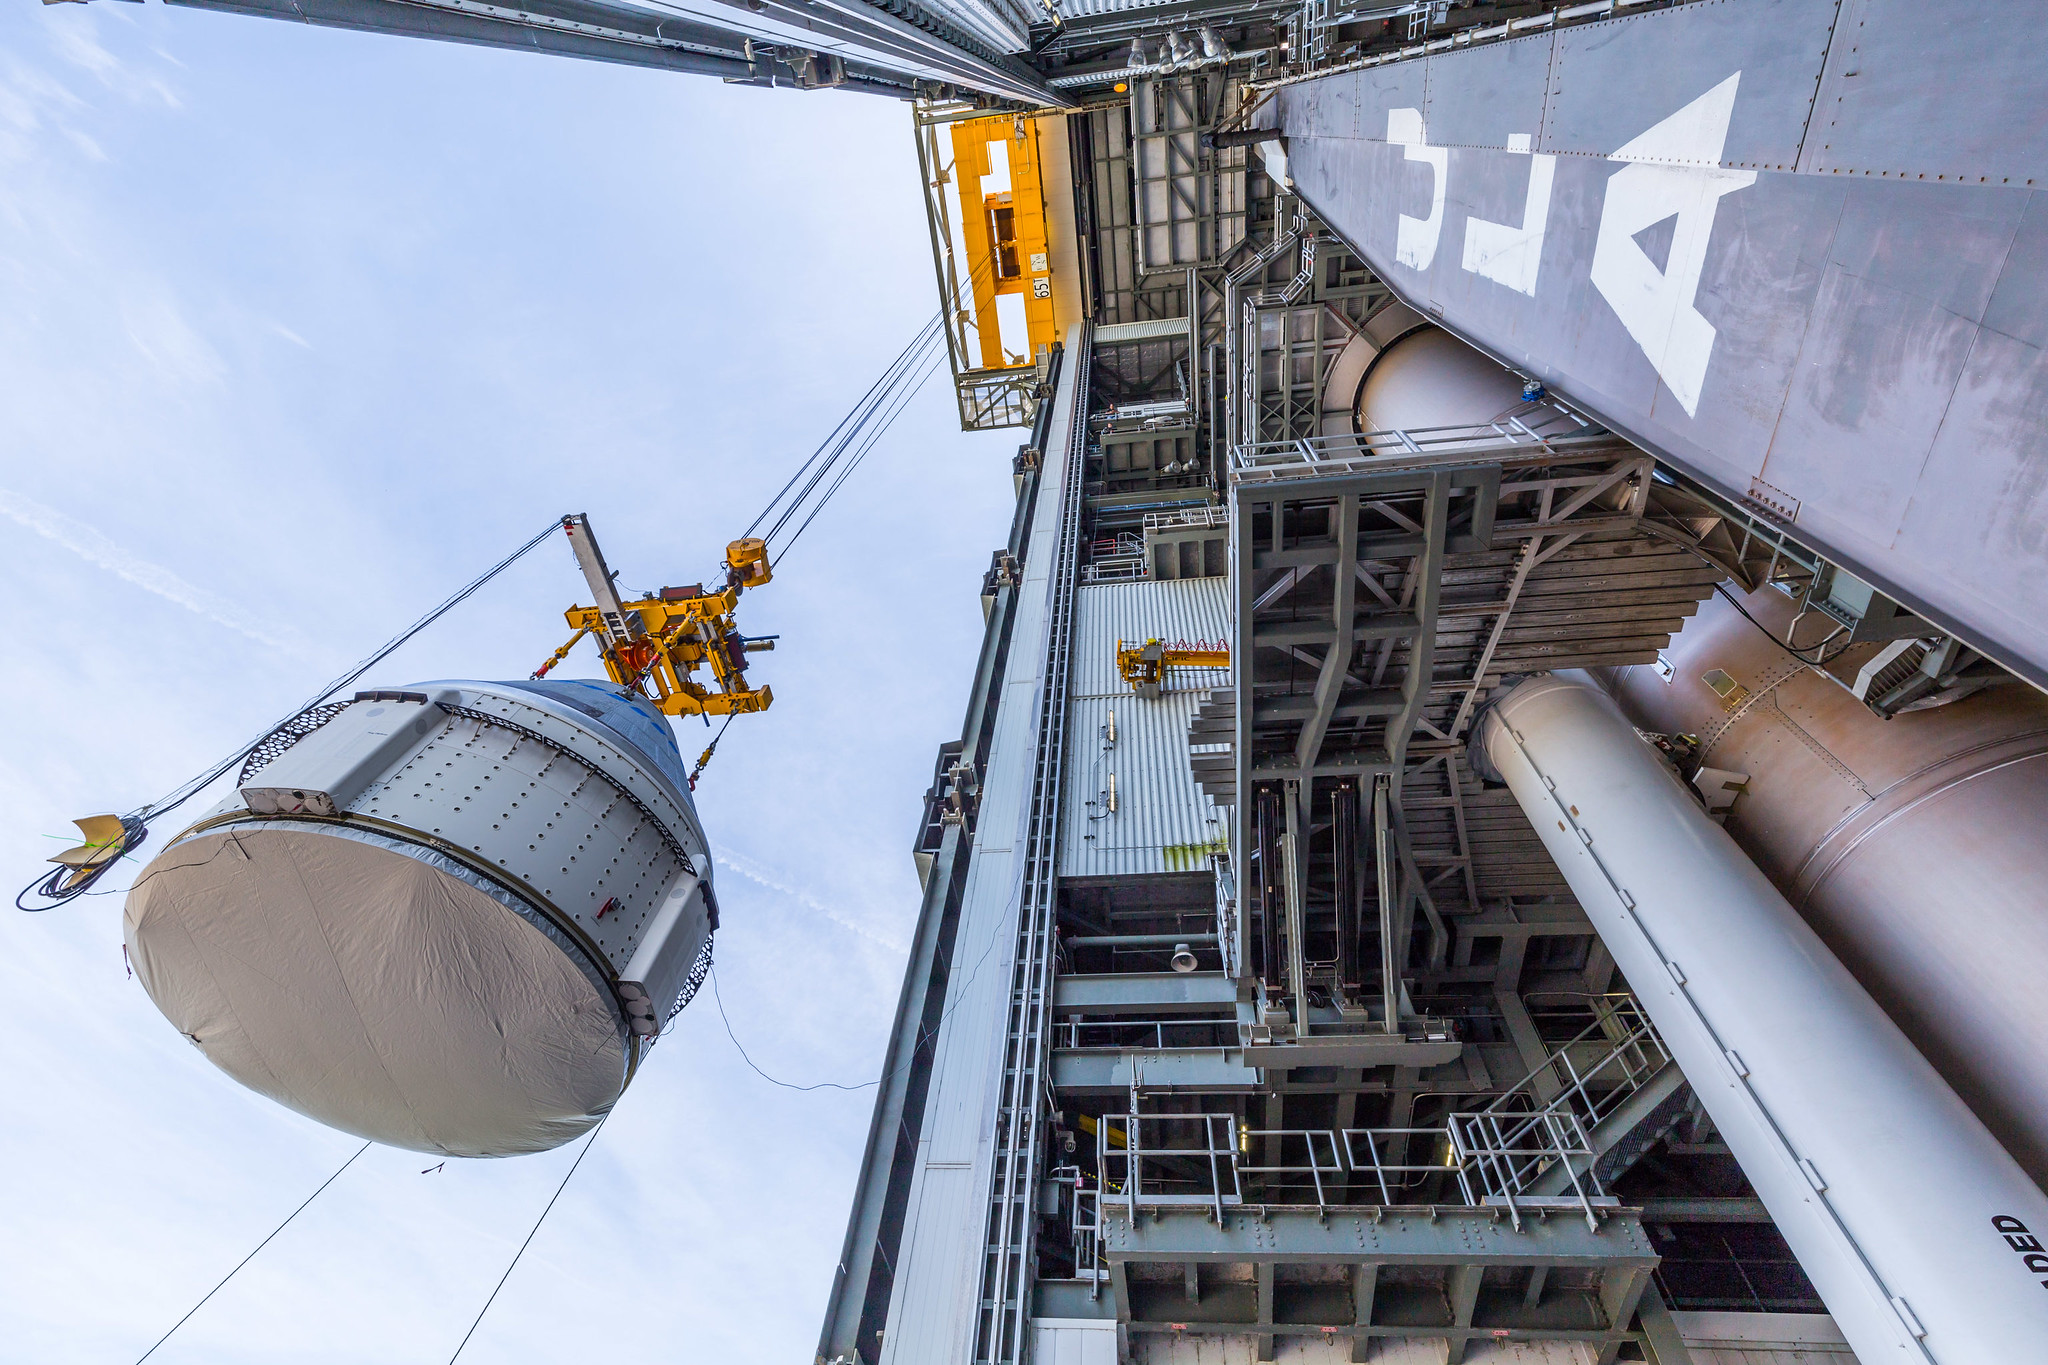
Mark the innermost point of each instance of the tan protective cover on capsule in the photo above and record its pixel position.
(373, 992)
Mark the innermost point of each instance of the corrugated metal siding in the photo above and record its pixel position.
(1172, 609)
(1073, 1341)
(1076, 9)
(1163, 822)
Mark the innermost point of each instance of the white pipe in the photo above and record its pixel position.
(1898, 1202)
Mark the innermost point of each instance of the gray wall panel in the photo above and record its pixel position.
(1984, 492)
(1611, 80)
(1890, 107)
(1834, 341)
(1874, 355)
(1499, 91)
(2019, 301)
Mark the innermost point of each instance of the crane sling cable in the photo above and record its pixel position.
(859, 427)
(960, 998)
(858, 430)
(545, 1211)
(251, 1256)
(848, 428)
(907, 393)
(68, 881)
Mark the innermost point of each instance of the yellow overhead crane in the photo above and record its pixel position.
(1003, 234)
(655, 645)
(1144, 666)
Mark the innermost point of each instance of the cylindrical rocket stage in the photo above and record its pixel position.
(447, 918)
(1894, 1196)
(1917, 847)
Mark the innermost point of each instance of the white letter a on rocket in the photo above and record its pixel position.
(1674, 172)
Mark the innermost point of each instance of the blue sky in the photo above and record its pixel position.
(299, 329)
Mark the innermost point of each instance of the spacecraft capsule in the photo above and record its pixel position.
(448, 918)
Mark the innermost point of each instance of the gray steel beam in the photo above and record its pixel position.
(1263, 1277)
(1197, 1071)
(1017, 1118)
(1621, 1288)
(1676, 1209)
(1335, 672)
(1461, 1287)
(887, 46)
(1364, 1281)
(1372, 626)
(1145, 993)
(565, 28)
(1136, 940)
(1424, 1235)
(1660, 1334)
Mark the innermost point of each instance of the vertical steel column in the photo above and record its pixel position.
(1291, 860)
(1383, 866)
(1344, 858)
(1267, 886)
(1008, 1259)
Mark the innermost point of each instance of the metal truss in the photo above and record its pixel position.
(1190, 199)
(1387, 581)
(894, 47)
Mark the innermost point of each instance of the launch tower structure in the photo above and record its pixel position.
(1592, 913)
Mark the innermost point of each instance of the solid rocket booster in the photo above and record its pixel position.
(1893, 1194)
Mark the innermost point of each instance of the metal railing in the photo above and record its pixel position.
(1188, 518)
(1377, 1166)
(1534, 429)
(1226, 913)
(1492, 1156)
(1322, 1160)
(1505, 1153)
(1116, 559)
(1206, 1161)
(1152, 1035)
(1628, 1053)
(1182, 1160)
(1085, 1221)
(1116, 569)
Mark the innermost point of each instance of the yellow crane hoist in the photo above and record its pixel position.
(1144, 666)
(655, 645)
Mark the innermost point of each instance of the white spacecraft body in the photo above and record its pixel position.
(449, 918)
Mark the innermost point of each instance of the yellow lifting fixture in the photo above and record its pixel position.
(1144, 666)
(655, 645)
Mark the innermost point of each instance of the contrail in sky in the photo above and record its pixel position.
(762, 876)
(95, 548)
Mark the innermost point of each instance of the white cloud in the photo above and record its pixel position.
(86, 143)
(158, 329)
(95, 548)
(76, 42)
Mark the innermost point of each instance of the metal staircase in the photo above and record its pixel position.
(1618, 1080)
